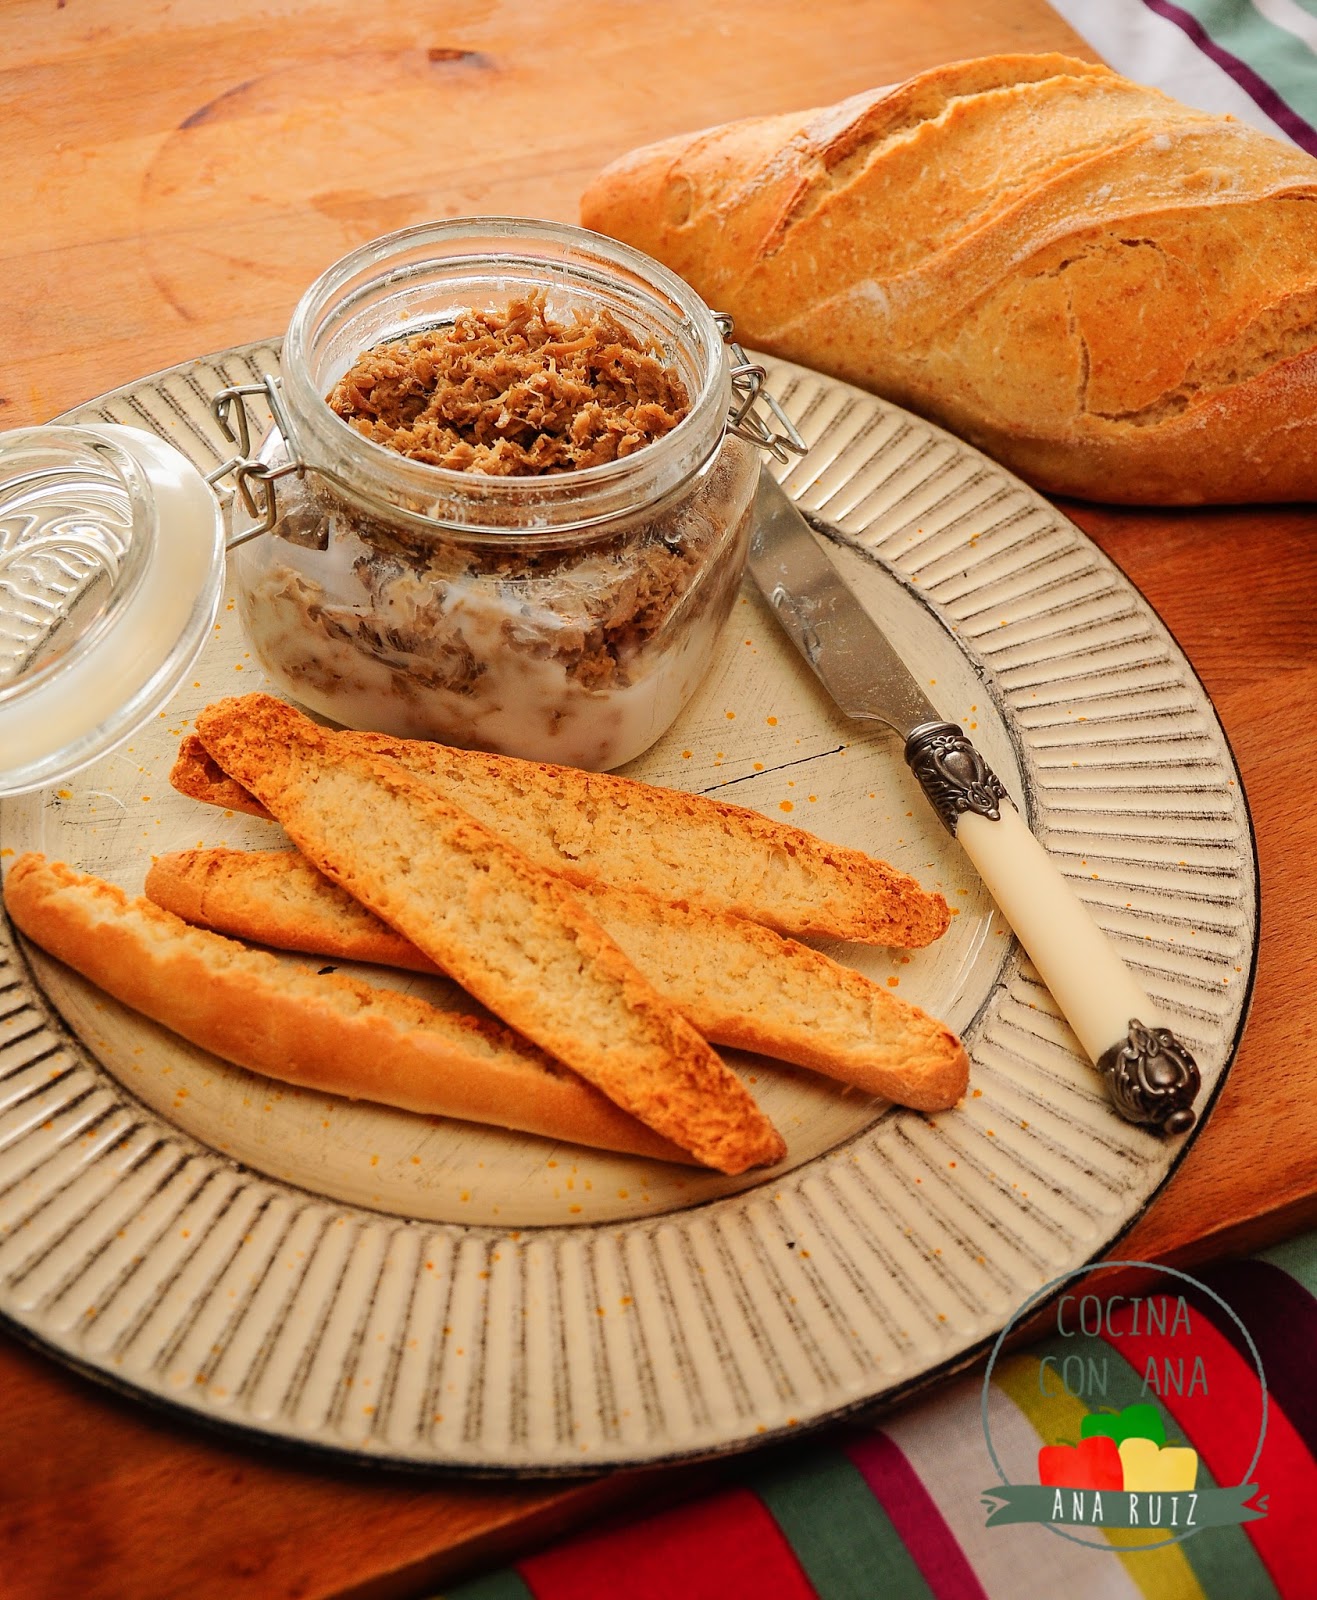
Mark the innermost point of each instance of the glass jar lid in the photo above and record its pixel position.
(111, 568)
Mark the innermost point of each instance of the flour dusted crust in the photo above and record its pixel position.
(509, 931)
(737, 983)
(1111, 293)
(323, 1031)
(593, 827)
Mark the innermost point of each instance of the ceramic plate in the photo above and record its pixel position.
(418, 1290)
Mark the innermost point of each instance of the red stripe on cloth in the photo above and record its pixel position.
(1221, 1423)
(723, 1546)
(921, 1526)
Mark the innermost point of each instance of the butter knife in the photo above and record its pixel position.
(1150, 1076)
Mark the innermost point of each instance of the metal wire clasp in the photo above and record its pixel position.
(745, 419)
(253, 479)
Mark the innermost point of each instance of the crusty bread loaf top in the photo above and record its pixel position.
(509, 931)
(320, 1030)
(1112, 293)
(594, 826)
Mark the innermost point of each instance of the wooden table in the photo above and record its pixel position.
(175, 175)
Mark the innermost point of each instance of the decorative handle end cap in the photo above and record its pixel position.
(1152, 1079)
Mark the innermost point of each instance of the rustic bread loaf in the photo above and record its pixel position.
(737, 983)
(595, 826)
(323, 1031)
(1113, 294)
(509, 931)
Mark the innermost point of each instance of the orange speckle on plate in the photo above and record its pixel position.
(785, 805)
(730, 715)
(893, 982)
(771, 721)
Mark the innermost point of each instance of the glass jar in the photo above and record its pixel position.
(565, 617)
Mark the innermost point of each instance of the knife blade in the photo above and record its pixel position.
(1149, 1074)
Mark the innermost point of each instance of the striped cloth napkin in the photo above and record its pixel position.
(1256, 59)
(896, 1511)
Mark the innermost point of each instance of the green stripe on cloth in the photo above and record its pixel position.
(842, 1537)
(1216, 1562)
(1298, 1256)
(1275, 54)
(502, 1585)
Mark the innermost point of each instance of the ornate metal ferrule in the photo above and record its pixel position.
(953, 774)
(1152, 1078)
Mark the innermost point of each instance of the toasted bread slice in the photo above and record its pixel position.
(510, 932)
(737, 983)
(323, 1031)
(198, 775)
(596, 827)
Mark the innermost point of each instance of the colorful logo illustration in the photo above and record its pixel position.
(1106, 1407)
(1124, 1449)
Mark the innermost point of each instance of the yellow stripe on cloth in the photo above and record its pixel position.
(1159, 1574)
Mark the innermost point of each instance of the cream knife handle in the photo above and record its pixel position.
(1149, 1074)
